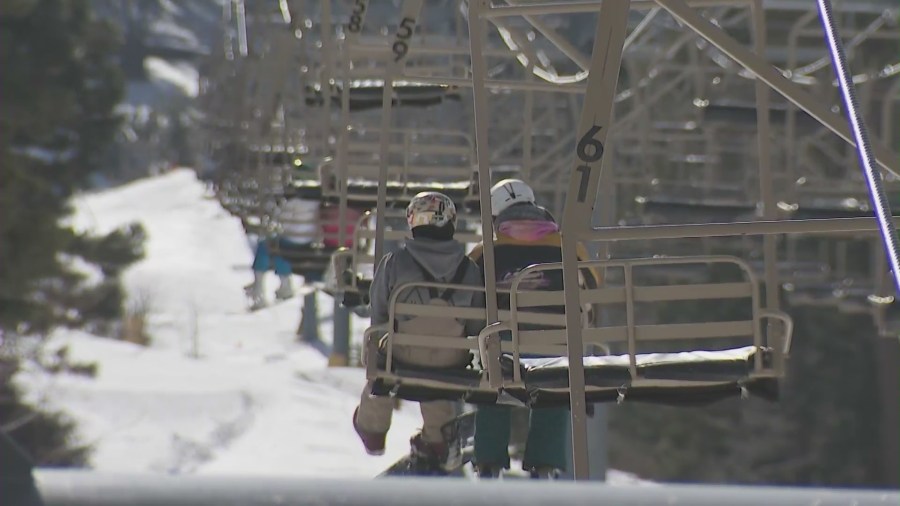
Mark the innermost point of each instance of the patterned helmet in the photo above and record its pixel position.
(430, 208)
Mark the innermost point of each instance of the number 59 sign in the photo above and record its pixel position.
(404, 32)
(589, 150)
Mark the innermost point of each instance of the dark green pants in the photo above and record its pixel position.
(545, 446)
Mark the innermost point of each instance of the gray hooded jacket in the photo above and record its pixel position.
(441, 259)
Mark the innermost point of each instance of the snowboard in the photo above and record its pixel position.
(460, 430)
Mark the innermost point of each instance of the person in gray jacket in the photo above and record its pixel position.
(430, 255)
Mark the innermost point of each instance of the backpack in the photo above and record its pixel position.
(434, 325)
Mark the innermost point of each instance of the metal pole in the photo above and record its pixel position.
(482, 152)
(598, 453)
(791, 121)
(598, 423)
(309, 319)
(820, 226)
(340, 323)
(340, 352)
(640, 28)
(328, 64)
(528, 127)
(592, 6)
(500, 84)
(764, 143)
(592, 131)
(241, 20)
(566, 47)
(353, 29)
(861, 137)
(409, 14)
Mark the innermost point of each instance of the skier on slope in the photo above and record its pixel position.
(526, 234)
(430, 255)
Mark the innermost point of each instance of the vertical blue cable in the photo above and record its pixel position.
(861, 135)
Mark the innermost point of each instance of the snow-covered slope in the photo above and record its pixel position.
(255, 401)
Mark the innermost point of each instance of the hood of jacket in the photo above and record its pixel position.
(440, 258)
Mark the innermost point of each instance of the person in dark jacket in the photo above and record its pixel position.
(526, 234)
(431, 255)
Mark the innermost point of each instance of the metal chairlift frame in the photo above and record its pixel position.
(348, 49)
(593, 128)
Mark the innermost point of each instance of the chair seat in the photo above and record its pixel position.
(670, 378)
(429, 384)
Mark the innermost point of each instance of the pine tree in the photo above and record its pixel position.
(59, 87)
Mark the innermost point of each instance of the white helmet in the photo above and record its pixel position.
(510, 192)
(430, 208)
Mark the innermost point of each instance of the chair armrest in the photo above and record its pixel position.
(488, 341)
(788, 323)
(371, 336)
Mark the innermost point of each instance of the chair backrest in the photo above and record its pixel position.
(403, 310)
(413, 156)
(644, 315)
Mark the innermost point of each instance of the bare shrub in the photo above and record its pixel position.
(134, 322)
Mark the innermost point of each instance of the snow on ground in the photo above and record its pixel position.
(220, 390)
(255, 401)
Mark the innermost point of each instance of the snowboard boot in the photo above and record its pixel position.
(255, 291)
(454, 455)
(285, 290)
(374, 442)
(488, 472)
(543, 473)
(428, 458)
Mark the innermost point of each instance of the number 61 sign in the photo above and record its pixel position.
(589, 150)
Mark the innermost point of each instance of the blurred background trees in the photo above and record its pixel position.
(60, 85)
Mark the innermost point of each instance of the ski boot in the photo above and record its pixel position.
(454, 459)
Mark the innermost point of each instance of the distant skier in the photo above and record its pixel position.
(526, 234)
(298, 222)
(431, 255)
